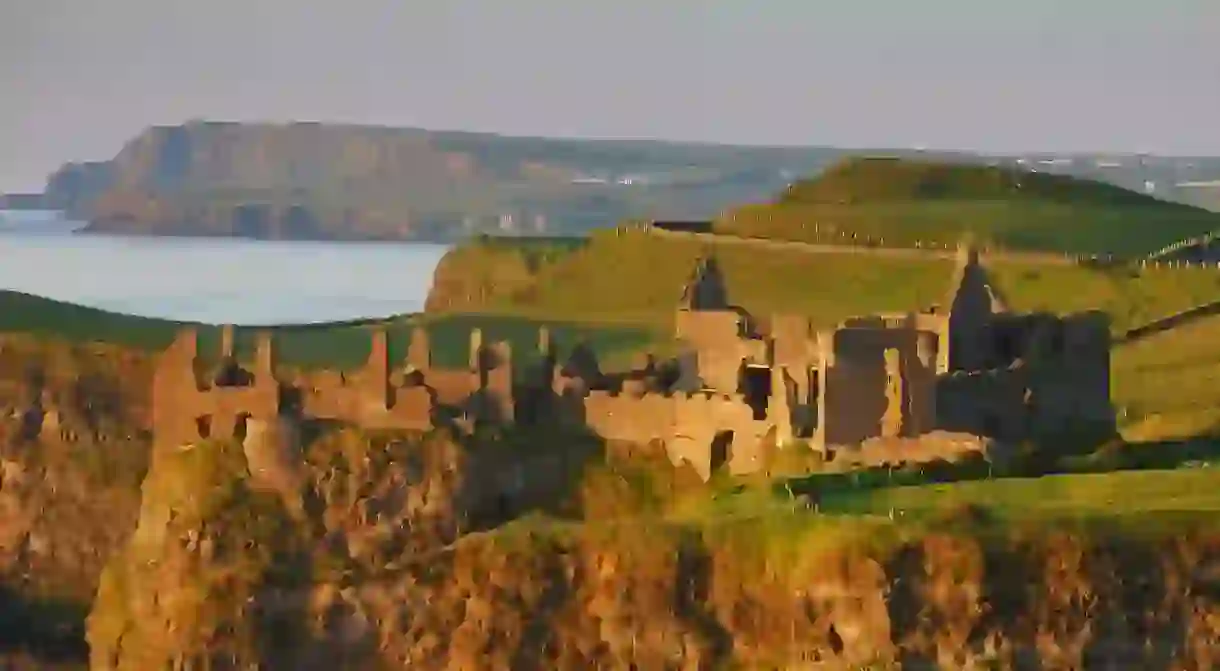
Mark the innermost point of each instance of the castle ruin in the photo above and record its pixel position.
(736, 385)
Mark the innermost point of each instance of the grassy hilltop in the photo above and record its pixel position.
(901, 203)
(630, 277)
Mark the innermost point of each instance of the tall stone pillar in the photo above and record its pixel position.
(226, 341)
(419, 352)
(476, 350)
(942, 348)
(895, 411)
(264, 364)
(779, 410)
(825, 344)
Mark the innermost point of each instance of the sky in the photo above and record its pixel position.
(80, 77)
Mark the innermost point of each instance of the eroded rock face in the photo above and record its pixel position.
(71, 459)
(378, 573)
(243, 556)
(272, 449)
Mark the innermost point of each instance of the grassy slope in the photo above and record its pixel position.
(629, 277)
(1167, 386)
(1131, 298)
(899, 202)
(337, 345)
(1100, 495)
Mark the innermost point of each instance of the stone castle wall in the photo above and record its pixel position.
(740, 386)
(706, 429)
(187, 407)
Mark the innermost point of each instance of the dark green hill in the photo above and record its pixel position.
(877, 180)
(337, 345)
(896, 202)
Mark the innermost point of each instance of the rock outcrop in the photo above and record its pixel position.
(383, 572)
(333, 181)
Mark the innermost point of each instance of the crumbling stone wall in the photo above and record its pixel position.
(1058, 383)
(706, 429)
(894, 378)
(188, 408)
(869, 395)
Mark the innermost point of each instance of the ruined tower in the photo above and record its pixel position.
(973, 303)
(706, 290)
(711, 329)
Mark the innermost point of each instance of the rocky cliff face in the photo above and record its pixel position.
(365, 565)
(72, 454)
(331, 181)
(347, 550)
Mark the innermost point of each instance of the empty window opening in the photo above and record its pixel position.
(1008, 346)
(756, 387)
(240, 427)
(722, 446)
(203, 424)
(991, 425)
(231, 374)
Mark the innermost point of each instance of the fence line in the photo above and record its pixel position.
(938, 249)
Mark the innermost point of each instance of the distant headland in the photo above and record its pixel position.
(321, 181)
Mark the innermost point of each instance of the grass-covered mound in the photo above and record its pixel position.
(907, 203)
(627, 276)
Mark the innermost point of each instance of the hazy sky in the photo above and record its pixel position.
(78, 77)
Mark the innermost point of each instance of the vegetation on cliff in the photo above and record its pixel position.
(382, 549)
(895, 202)
(636, 577)
(69, 488)
(517, 549)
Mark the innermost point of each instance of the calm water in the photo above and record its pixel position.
(213, 280)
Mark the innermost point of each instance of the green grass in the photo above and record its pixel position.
(1167, 386)
(894, 179)
(1124, 231)
(626, 276)
(1102, 495)
(43, 316)
(899, 203)
(343, 346)
(1131, 298)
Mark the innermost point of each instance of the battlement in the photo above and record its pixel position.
(188, 406)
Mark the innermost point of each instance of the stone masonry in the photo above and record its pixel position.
(734, 388)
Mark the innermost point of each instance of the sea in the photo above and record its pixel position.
(213, 280)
